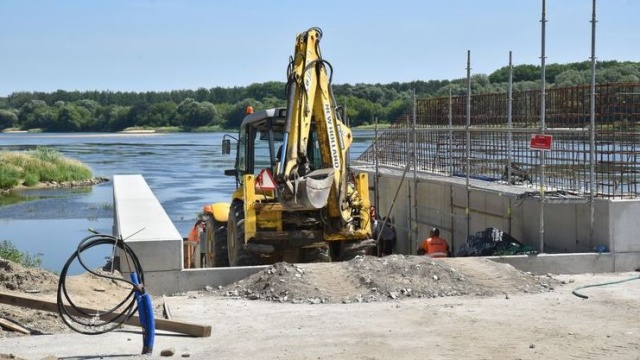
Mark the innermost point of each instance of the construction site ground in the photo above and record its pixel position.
(402, 307)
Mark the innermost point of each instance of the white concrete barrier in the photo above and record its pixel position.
(141, 220)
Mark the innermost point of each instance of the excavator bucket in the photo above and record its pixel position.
(311, 191)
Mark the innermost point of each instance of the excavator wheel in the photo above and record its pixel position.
(235, 238)
(216, 231)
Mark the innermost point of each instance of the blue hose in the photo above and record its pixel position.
(145, 312)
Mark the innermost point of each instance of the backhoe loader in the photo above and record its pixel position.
(296, 198)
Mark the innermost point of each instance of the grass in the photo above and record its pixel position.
(8, 251)
(29, 168)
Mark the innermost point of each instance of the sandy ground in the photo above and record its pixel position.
(543, 325)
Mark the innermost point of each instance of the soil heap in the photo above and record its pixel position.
(85, 290)
(367, 278)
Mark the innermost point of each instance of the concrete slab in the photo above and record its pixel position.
(171, 282)
(572, 263)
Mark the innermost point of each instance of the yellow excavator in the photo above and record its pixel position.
(296, 198)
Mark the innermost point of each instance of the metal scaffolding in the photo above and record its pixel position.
(439, 143)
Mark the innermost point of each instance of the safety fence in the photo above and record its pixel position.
(496, 146)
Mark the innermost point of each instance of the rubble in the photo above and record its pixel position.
(369, 279)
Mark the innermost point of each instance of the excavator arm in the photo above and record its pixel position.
(311, 104)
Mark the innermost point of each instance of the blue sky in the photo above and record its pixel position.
(157, 45)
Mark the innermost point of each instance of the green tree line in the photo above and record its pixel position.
(224, 108)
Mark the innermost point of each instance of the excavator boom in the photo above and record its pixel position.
(311, 101)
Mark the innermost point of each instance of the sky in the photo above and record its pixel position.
(160, 45)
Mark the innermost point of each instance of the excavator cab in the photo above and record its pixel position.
(260, 147)
(258, 142)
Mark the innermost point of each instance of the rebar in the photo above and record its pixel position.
(441, 146)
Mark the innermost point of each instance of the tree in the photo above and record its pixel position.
(572, 77)
(191, 113)
(235, 113)
(8, 118)
(34, 114)
(113, 118)
(162, 114)
(69, 118)
(396, 108)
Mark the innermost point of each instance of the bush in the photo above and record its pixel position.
(9, 174)
(42, 164)
(31, 179)
(8, 251)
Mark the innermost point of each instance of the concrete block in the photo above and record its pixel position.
(560, 263)
(627, 261)
(496, 204)
(196, 279)
(560, 226)
(162, 282)
(141, 220)
(156, 255)
(175, 281)
(477, 199)
(625, 225)
(459, 196)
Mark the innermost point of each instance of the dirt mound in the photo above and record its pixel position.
(367, 279)
(14, 276)
(85, 290)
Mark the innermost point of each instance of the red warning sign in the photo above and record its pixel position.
(541, 142)
(264, 180)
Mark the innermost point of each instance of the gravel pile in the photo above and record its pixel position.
(368, 279)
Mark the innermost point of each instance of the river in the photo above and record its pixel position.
(184, 170)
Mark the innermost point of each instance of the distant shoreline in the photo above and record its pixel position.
(141, 131)
(81, 134)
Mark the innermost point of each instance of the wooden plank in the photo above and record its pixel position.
(51, 306)
(13, 327)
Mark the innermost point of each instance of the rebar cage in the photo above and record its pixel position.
(492, 145)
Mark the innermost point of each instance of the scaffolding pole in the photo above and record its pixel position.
(415, 171)
(509, 120)
(450, 133)
(542, 121)
(468, 141)
(592, 121)
(377, 169)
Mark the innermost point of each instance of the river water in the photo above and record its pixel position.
(184, 170)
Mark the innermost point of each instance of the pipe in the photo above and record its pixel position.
(543, 108)
(592, 120)
(415, 170)
(509, 120)
(468, 141)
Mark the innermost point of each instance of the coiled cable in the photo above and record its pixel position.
(81, 319)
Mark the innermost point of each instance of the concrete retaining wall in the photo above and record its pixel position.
(428, 200)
